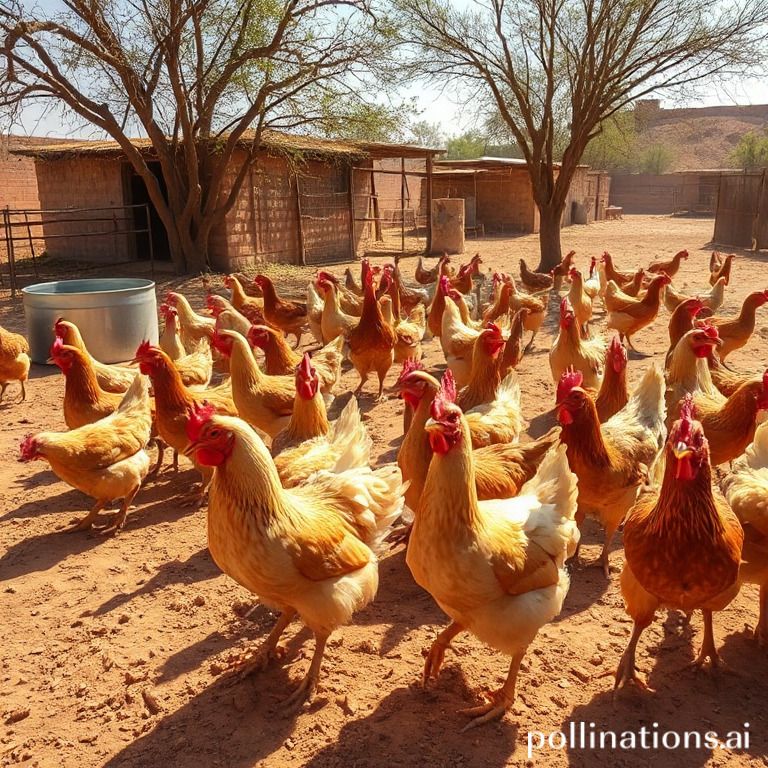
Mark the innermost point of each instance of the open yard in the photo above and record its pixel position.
(115, 651)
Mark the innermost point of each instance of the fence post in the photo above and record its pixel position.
(756, 217)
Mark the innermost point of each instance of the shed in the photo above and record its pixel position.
(499, 198)
(741, 215)
(305, 200)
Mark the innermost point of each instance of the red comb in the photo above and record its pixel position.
(304, 368)
(710, 330)
(27, 448)
(58, 327)
(569, 379)
(409, 366)
(616, 346)
(221, 343)
(198, 416)
(145, 349)
(447, 387)
(495, 330)
(445, 285)
(57, 346)
(565, 306)
(170, 298)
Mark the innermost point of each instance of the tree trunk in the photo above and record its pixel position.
(550, 216)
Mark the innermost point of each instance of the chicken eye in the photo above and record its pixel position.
(214, 433)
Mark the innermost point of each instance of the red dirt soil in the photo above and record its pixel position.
(115, 651)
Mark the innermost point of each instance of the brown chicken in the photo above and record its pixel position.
(720, 267)
(307, 551)
(437, 307)
(611, 460)
(496, 567)
(192, 326)
(402, 295)
(535, 282)
(14, 361)
(485, 375)
(580, 302)
(571, 350)
(311, 443)
(351, 284)
(170, 338)
(349, 302)
(429, 276)
(682, 545)
(463, 280)
(681, 321)
(288, 316)
(735, 331)
(371, 342)
(537, 311)
(174, 401)
(265, 402)
(725, 380)
(635, 286)
(246, 305)
(107, 460)
(613, 394)
(501, 305)
(670, 266)
(629, 316)
(613, 273)
(281, 360)
(500, 470)
(84, 400)
(560, 272)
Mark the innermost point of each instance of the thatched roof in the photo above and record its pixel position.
(271, 141)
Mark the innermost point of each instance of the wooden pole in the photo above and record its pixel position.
(429, 204)
(352, 244)
(376, 212)
(302, 254)
(402, 205)
(756, 218)
(31, 245)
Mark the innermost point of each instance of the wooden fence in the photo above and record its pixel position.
(741, 217)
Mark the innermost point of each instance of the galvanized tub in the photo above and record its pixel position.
(114, 315)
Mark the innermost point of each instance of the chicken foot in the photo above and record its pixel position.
(307, 687)
(118, 520)
(708, 649)
(269, 649)
(84, 523)
(4, 386)
(434, 660)
(501, 700)
(530, 343)
(626, 672)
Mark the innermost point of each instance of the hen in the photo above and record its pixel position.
(592, 283)
(372, 341)
(333, 321)
(613, 273)
(409, 332)
(670, 266)
(288, 316)
(192, 326)
(720, 267)
(250, 307)
(429, 276)
(613, 394)
(630, 315)
(735, 331)
(535, 282)
(308, 550)
(537, 311)
(227, 317)
(281, 360)
(111, 378)
(310, 443)
(170, 338)
(457, 341)
(682, 545)
(712, 299)
(746, 489)
(681, 321)
(106, 460)
(570, 350)
(580, 302)
(265, 402)
(611, 460)
(560, 272)
(14, 361)
(497, 567)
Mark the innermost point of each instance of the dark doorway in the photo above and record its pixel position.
(136, 194)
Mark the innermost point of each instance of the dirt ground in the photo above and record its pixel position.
(114, 651)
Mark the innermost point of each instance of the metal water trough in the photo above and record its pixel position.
(114, 315)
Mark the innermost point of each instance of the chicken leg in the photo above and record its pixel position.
(501, 700)
(307, 687)
(3, 387)
(23, 391)
(708, 649)
(83, 523)
(118, 521)
(269, 649)
(436, 653)
(626, 672)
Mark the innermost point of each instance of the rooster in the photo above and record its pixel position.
(611, 460)
(735, 331)
(310, 442)
(670, 266)
(711, 299)
(252, 308)
(106, 459)
(497, 567)
(192, 326)
(535, 282)
(288, 316)
(372, 341)
(14, 362)
(281, 360)
(746, 489)
(308, 550)
(111, 378)
(720, 267)
(613, 394)
(682, 545)
(630, 315)
(570, 350)
(265, 402)
(500, 469)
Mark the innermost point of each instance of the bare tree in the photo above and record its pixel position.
(556, 70)
(199, 78)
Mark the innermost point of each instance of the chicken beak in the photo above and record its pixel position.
(191, 448)
(431, 426)
(681, 450)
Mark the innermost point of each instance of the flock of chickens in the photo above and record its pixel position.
(489, 522)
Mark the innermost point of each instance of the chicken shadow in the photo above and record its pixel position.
(68, 501)
(43, 477)
(683, 701)
(197, 567)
